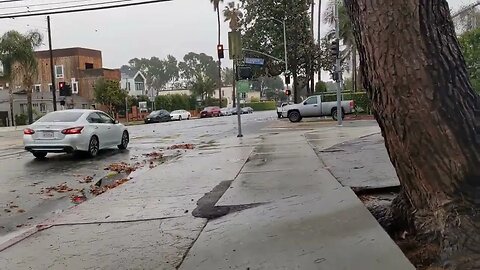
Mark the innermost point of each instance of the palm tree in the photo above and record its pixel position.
(346, 34)
(216, 7)
(17, 54)
(233, 14)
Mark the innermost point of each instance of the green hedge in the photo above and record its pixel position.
(261, 106)
(362, 102)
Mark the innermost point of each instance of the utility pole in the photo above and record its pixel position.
(239, 110)
(319, 36)
(52, 68)
(338, 68)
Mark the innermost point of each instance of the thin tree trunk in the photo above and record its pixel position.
(12, 114)
(354, 68)
(219, 61)
(295, 85)
(429, 116)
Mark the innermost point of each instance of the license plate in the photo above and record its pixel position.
(48, 134)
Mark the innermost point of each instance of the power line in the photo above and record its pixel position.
(31, 14)
(8, 1)
(44, 4)
(65, 7)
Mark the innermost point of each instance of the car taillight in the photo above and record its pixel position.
(75, 130)
(28, 131)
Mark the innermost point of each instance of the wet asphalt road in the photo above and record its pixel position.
(22, 177)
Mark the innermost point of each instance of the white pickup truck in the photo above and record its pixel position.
(314, 107)
(280, 108)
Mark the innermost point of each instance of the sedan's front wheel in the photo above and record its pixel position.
(93, 146)
(125, 140)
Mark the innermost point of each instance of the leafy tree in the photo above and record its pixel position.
(227, 76)
(320, 87)
(108, 92)
(158, 72)
(196, 66)
(203, 87)
(417, 79)
(17, 54)
(266, 35)
(470, 42)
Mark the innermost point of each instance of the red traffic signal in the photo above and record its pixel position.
(220, 52)
(288, 92)
(61, 85)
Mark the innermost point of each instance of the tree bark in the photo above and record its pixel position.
(429, 115)
(29, 105)
(295, 85)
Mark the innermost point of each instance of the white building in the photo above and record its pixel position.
(134, 82)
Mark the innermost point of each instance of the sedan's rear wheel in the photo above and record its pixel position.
(39, 155)
(93, 146)
(180, 118)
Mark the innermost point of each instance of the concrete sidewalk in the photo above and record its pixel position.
(286, 212)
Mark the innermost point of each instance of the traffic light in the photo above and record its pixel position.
(288, 92)
(244, 73)
(65, 89)
(335, 48)
(220, 53)
(287, 79)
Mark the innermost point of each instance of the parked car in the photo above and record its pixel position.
(226, 111)
(314, 107)
(247, 110)
(210, 112)
(74, 131)
(180, 115)
(157, 117)
(280, 108)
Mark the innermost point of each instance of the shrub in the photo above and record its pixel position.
(362, 102)
(21, 119)
(262, 106)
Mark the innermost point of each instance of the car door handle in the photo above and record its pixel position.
(315, 105)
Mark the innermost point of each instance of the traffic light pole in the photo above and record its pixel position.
(338, 69)
(52, 70)
(239, 110)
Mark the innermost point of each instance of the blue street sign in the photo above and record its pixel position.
(254, 61)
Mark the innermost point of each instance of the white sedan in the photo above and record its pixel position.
(74, 131)
(180, 115)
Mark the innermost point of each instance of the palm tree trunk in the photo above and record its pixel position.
(29, 105)
(219, 61)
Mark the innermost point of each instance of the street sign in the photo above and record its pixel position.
(254, 61)
(234, 45)
(243, 86)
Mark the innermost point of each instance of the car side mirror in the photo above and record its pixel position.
(305, 103)
(116, 122)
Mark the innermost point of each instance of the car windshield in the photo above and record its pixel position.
(60, 117)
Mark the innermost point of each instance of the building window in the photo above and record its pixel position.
(74, 87)
(128, 86)
(23, 108)
(243, 95)
(37, 87)
(88, 65)
(43, 108)
(84, 106)
(50, 87)
(59, 71)
(139, 86)
(223, 93)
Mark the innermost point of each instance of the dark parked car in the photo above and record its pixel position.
(157, 117)
(246, 110)
(210, 112)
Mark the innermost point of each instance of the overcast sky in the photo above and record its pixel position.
(175, 27)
